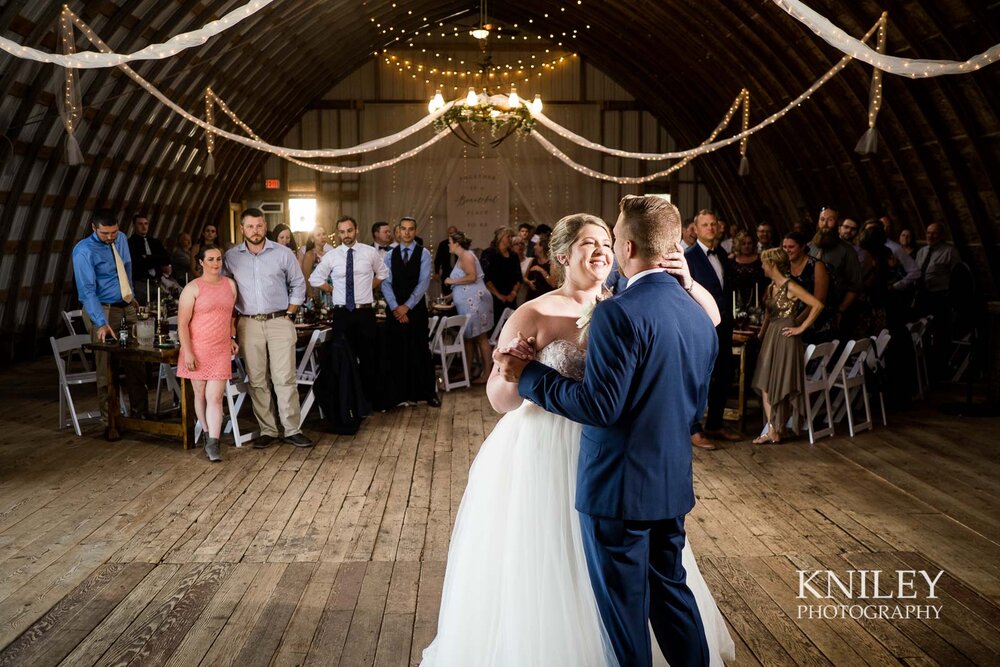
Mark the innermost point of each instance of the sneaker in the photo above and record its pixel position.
(263, 442)
(299, 440)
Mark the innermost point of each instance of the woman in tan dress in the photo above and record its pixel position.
(779, 373)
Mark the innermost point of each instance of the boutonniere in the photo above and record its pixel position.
(583, 322)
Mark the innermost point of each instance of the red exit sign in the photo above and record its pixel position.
(272, 184)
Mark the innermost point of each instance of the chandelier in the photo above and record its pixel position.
(501, 115)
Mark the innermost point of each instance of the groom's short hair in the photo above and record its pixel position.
(651, 223)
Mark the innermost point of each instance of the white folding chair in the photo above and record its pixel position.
(432, 327)
(449, 344)
(70, 319)
(961, 355)
(308, 369)
(237, 389)
(504, 316)
(917, 331)
(877, 368)
(61, 346)
(851, 382)
(817, 384)
(167, 375)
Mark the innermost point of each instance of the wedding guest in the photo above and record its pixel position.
(209, 239)
(711, 267)
(845, 271)
(180, 257)
(207, 333)
(937, 261)
(540, 278)
(471, 298)
(906, 241)
(312, 252)
(503, 272)
(877, 274)
(282, 235)
(350, 273)
(906, 272)
(748, 274)
(811, 274)
(727, 241)
(443, 262)
(167, 282)
(405, 290)
(765, 236)
(526, 232)
(270, 289)
(519, 248)
(148, 255)
(102, 267)
(382, 238)
(779, 374)
(689, 235)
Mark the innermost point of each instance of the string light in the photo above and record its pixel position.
(173, 46)
(855, 48)
(445, 69)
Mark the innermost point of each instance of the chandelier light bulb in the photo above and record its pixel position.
(480, 33)
(472, 99)
(513, 101)
(536, 104)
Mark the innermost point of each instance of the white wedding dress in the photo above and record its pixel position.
(516, 589)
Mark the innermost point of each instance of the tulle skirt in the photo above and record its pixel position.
(516, 591)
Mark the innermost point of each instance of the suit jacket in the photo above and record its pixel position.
(649, 361)
(702, 271)
(147, 266)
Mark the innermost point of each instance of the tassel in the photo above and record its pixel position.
(744, 169)
(210, 165)
(868, 143)
(74, 156)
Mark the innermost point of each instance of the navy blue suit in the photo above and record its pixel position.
(722, 375)
(648, 362)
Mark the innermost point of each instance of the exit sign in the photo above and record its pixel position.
(272, 184)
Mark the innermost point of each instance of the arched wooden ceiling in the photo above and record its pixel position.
(938, 158)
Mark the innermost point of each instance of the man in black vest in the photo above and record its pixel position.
(148, 255)
(711, 268)
(406, 327)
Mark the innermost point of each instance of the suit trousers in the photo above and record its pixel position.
(638, 576)
(269, 350)
(718, 386)
(360, 329)
(135, 371)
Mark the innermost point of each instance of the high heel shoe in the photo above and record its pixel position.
(772, 437)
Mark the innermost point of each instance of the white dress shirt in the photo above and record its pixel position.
(715, 262)
(909, 265)
(642, 274)
(368, 265)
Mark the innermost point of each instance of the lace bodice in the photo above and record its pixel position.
(565, 357)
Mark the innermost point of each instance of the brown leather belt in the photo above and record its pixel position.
(266, 316)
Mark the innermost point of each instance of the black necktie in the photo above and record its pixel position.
(350, 280)
(713, 251)
(406, 255)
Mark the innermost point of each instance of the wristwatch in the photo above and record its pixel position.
(290, 315)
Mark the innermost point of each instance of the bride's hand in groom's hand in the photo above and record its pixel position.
(676, 264)
(521, 347)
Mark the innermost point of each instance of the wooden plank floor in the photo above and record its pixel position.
(137, 552)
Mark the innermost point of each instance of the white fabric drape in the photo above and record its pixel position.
(176, 44)
(911, 67)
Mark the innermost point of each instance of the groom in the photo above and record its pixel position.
(649, 360)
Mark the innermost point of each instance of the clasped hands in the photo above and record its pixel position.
(511, 359)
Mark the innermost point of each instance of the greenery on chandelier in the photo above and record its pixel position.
(492, 116)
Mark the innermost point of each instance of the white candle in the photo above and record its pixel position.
(147, 291)
(159, 313)
(756, 302)
(734, 304)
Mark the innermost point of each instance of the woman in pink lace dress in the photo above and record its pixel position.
(207, 333)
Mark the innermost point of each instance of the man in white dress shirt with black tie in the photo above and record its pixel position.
(354, 271)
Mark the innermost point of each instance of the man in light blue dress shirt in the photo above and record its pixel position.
(95, 268)
(271, 288)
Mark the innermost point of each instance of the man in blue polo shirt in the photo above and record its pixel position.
(102, 267)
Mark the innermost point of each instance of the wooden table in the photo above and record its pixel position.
(149, 355)
(739, 349)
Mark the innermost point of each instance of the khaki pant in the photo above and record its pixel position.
(135, 371)
(269, 350)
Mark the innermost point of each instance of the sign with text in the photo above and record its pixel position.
(479, 200)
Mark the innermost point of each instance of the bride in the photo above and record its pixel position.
(516, 589)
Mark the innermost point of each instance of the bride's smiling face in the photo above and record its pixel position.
(590, 255)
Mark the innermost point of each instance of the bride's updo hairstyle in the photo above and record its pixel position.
(564, 235)
(651, 223)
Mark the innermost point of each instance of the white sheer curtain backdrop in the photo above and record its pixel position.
(412, 187)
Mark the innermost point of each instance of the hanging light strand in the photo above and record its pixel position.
(173, 46)
(911, 67)
(69, 102)
(868, 143)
